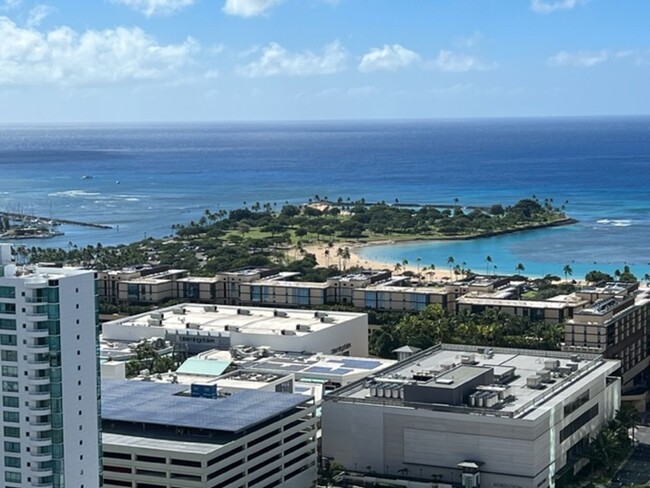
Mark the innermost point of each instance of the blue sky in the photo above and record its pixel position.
(185, 60)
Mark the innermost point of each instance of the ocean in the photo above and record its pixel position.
(141, 179)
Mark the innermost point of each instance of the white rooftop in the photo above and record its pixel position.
(223, 318)
(526, 363)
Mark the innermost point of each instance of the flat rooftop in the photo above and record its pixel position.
(446, 361)
(471, 299)
(228, 319)
(40, 274)
(320, 366)
(164, 404)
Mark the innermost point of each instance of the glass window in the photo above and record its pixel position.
(9, 356)
(9, 416)
(10, 371)
(8, 324)
(11, 431)
(8, 308)
(12, 477)
(9, 401)
(11, 386)
(7, 292)
(12, 446)
(7, 340)
(12, 462)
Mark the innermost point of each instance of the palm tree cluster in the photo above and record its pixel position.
(488, 328)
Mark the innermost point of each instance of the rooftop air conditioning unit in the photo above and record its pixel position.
(232, 328)
(243, 311)
(552, 364)
(467, 359)
(572, 366)
(192, 326)
(157, 315)
(155, 322)
(178, 311)
(534, 382)
(280, 313)
(545, 374)
(575, 358)
(210, 308)
(303, 328)
(327, 320)
(288, 332)
(320, 314)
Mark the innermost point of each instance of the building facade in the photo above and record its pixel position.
(48, 347)
(159, 435)
(463, 416)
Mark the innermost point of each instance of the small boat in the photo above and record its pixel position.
(87, 177)
(117, 182)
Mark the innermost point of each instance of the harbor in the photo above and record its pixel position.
(15, 225)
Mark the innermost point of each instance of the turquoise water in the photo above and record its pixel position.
(147, 177)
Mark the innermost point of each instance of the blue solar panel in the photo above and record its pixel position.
(361, 363)
(318, 369)
(341, 371)
(156, 403)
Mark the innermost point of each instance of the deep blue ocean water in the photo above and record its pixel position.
(147, 177)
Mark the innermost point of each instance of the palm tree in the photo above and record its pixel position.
(450, 262)
(488, 260)
(398, 267)
(519, 268)
(418, 259)
(346, 256)
(327, 256)
(339, 254)
(567, 272)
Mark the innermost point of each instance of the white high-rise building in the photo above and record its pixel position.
(48, 362)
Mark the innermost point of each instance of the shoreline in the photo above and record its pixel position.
(440, 273)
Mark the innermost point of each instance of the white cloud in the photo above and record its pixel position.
(38, 14)
(549, 6)
(9, 4)
(276, 60)
(249, 8)
(387, 58)
(156, 7)
(468, 42)
(65, 57)
(460, 63)
(586, 59)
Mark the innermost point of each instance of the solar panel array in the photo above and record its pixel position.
(161, 404)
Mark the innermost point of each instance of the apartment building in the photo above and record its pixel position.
(179, 436)
(462, 415)
(48, 343)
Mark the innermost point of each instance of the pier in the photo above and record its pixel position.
(34, 218)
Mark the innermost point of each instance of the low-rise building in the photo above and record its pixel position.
(179, 436)
(488, 417)
(617, 327)
(201, 327)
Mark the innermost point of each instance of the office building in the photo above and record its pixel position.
(488, 417)
(48, 344)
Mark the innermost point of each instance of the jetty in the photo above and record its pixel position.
(52, 221)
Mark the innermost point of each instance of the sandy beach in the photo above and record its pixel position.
(356, 260)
